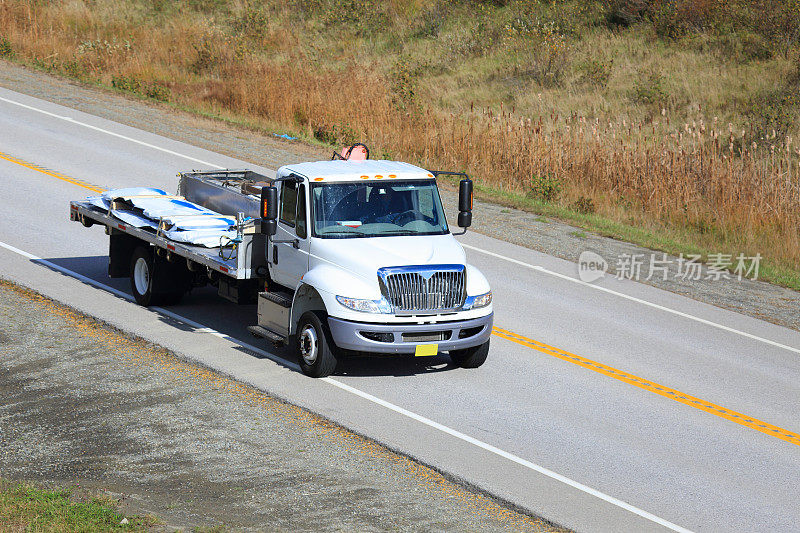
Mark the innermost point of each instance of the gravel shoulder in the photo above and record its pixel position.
(84, 405)
(754, 298)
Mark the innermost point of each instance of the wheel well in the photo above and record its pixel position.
(306, 298)
(120, 252)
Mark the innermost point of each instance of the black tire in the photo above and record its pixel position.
(147, 273)
(314, 338)
(470, 357)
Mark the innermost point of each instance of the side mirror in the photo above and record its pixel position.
(269, 211)
(465, 203)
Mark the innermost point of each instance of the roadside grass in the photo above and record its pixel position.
(671, 127)
(687, 241)
(24, 507)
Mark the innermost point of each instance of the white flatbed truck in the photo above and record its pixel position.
(340, 256)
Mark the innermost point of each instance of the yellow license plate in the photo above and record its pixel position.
(425, 350)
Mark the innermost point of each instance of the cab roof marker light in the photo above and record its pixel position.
(318, 179)
(364, 177)
(378, 176)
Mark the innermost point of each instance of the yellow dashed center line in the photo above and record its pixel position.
(636, 381)
(53, 173)
(651, 386)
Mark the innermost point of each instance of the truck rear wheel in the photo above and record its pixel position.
(144, 279)
(315, 351)
(470, 357)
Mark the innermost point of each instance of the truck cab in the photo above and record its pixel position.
(361, 259)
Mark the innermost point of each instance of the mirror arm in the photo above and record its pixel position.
(438, 173)
(294, 242)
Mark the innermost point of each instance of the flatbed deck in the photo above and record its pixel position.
(238, 267)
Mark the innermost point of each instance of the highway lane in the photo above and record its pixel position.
(684, 465)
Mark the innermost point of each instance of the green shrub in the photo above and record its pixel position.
(626, 12)
(6, 50)
(133, 85)
(649, 89)
(545, 188)
(540, 50)
(584, 205)
(404, 83)
(252, 22)
(669, 22)
(335, 134)
(363, 16)
(158, 92)
(595, 72)
(126, 83)
(772, 114)
(74, 68)
(300, 116)
(744, 47)
(207, 58)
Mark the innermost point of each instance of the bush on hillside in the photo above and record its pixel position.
(649, 89)
(6, 50)
(545, 188)
(743, 47)
(771, 114)
(776, 21)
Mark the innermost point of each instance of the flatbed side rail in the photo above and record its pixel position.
(83, 212)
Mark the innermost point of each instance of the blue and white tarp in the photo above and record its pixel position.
(179, 219)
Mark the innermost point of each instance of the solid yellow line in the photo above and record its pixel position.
(600, 368)
(651, 386)
(53, 173)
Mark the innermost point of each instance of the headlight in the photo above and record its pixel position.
(365, 306)
(475, 302)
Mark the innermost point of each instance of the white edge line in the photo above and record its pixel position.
(119, 135)
(635, 299)
(369, 397)
(200, 328)
(510, 456)
(499, 256)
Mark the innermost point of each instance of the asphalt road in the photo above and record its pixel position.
(91, 409)
(607, 407)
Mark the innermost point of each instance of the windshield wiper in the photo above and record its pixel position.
(398, 232)
(342, 232)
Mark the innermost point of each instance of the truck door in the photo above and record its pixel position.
(289, 260)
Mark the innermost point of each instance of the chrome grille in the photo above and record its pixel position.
(424, 288)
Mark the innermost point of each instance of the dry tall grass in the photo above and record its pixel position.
(704, 176)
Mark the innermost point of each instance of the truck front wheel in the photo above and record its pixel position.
(314, 348)
(470, 357)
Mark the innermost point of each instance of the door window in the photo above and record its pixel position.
(288, 202)
(301, 227)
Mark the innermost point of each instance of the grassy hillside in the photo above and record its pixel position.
(670, 122)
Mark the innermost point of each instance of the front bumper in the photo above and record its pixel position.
(456, 335)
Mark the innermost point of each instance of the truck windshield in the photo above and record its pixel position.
(377, 209)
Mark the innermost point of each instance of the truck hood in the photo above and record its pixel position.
(363, 257)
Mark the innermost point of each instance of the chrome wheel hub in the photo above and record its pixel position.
(309, 345)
